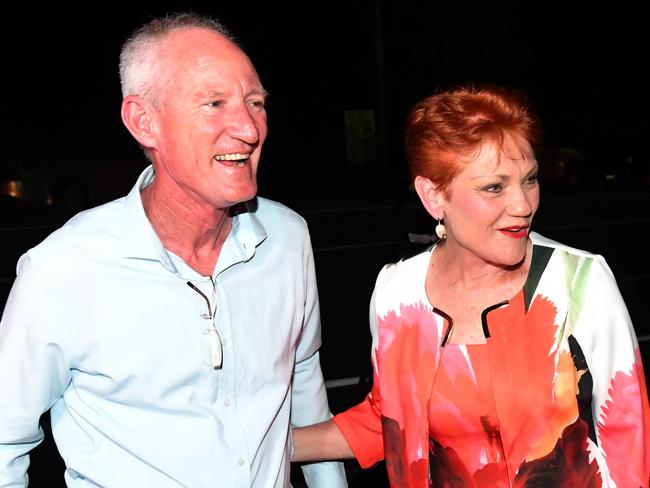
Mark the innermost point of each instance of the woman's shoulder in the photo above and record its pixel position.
(539, 240)
(409, 264)
(577, 264)
(406, 275)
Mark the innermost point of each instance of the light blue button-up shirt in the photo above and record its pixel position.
(101, 327)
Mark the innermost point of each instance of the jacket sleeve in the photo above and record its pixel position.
(33, 371)
(361, 425)
(309, 404)
(620, 399)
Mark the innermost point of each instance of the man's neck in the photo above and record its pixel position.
(193, 232)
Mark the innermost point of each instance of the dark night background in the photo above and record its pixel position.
(580, 64)
(581, 67)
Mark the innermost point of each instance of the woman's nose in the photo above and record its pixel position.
(520, 203)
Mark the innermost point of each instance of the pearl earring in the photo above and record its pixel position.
(441, 232)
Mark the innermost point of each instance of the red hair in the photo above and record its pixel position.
(447, 129)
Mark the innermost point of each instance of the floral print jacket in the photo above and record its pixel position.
(566, 374)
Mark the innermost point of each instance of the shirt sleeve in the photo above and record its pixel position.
(33, 370)
(620, 398)
(361, 425)
(309, 404)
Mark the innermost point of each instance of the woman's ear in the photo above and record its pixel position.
(430, 196)
(137, 117)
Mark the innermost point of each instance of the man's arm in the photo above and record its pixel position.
(319, 442)
(309, 397)
(32, 372)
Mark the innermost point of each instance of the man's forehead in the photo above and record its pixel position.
(205, 50)
(189, 34)
(200, 45)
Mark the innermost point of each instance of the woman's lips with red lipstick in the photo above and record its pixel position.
(516, 232)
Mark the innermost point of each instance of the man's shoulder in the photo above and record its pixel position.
(273, 212)
(85, 230)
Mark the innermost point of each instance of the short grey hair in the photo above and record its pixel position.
(140, 55)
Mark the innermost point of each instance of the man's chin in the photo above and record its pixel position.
(244, 196)
(251, 194)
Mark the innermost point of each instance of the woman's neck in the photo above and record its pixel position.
(465, 270)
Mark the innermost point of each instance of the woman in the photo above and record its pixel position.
(500, 357)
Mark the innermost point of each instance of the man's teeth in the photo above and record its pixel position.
(231, 157)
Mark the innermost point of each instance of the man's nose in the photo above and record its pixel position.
(243, 125)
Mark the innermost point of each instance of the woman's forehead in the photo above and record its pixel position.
(508, 148)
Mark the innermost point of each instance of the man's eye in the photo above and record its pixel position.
(258, 104)
(216, 103)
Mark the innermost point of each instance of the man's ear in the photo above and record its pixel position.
(431, 196)
(137, 117)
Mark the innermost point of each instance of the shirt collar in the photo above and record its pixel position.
(140, 240)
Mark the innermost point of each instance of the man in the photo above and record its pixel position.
(174, 333)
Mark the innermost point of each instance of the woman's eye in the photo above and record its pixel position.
(496, 188)
(532, 179)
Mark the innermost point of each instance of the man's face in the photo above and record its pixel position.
(210, 121)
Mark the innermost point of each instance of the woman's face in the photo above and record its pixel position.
(489, 206)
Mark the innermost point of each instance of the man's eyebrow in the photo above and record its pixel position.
(259, 91)
(210, 94)
(220, 93)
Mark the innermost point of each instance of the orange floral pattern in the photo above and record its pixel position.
(540, 404)
(508, 409)
(626, 405)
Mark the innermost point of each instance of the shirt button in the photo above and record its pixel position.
(240, 461)
(226, 402)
